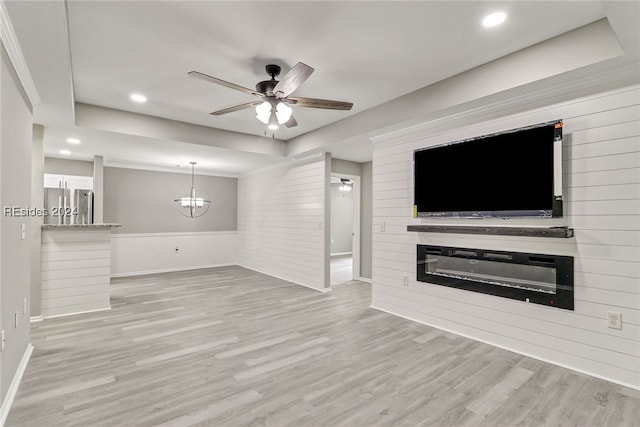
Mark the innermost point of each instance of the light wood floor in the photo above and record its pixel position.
(231, 347)
(341, 269)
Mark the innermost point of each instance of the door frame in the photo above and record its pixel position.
(355, 233)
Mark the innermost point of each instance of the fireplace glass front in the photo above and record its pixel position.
(536, 278)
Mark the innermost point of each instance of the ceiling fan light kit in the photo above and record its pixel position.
(345, 185)
(273, 109)
(273, 115)
(283, 111)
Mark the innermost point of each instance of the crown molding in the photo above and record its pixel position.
(12, 46)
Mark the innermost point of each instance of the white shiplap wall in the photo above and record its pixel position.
(281, 220)
(75, 271)
(602, 203)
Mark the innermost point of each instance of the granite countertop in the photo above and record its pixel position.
(77, 226)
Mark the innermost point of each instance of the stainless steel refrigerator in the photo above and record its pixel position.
(68, 206)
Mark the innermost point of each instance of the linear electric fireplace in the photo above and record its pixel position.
(535, 278)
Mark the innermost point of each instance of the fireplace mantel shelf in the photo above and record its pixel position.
(558, 232)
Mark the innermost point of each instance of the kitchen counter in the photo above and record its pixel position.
(76, 268)
(77, 226)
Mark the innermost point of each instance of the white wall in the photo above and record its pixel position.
(281, 221)
(602, 204)
(15, 250)
(57, 166)
(144, 253)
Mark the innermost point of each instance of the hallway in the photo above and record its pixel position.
(341, 269)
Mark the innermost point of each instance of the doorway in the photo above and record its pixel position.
(345, 228)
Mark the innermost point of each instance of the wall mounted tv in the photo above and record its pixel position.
(516, 173)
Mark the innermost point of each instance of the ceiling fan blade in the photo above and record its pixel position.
(235, 108)
(321, 103)
(215, 80)
(292, 80)
(291, 122)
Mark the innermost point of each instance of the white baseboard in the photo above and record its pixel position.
(169, 270)
(364, 279)
(34, 319)
(15, 383)
(533, 356)
(325, 290)
(77, 312)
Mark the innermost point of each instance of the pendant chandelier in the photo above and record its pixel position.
(193, 205)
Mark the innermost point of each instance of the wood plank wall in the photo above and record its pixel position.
(602, 203)
(75, 271)
(281, 222)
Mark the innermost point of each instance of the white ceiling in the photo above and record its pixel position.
(368, 53)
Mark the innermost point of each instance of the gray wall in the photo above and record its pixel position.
(57, 166)
(342, 205)
(363, 170)
(37, 200)
(142, 201)
(15, 190)
(346, 167)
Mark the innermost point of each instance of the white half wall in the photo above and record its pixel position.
(145, 253)
(281, 221)
(75, 271)
(602, 203)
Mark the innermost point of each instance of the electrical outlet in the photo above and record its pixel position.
(405, 280)
(4, 340)
(615, 320)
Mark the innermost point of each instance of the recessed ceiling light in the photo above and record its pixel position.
(494, 19)
(73, 140)
(138, 98)
(65, 152)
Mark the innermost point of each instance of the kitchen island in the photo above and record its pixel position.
(76, 268)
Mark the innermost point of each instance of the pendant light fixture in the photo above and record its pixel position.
(193, 205)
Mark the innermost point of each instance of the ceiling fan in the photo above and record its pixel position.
(273, 108)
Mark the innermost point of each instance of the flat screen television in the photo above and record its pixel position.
(516, 173)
